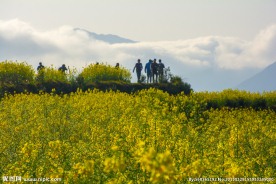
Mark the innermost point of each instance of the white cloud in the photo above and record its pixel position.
(264, 44)
(20, 41)
(15, 28)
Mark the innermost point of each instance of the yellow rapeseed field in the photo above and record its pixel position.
(147, 137)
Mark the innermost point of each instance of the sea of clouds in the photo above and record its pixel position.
(208, 63)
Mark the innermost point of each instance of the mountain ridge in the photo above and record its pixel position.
(262, 81)
(108, 38)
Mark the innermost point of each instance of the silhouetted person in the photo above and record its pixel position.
(154, 68)
(40, 72)
(161, 67)
(148, 71)
(62, 68)
(139, 67)
(40, 66)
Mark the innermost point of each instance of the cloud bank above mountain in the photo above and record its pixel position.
(75, 47)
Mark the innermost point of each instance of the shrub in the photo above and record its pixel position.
(50, 74)
(181, 85)
(15, 73)
(101, 72)
(176, 80)
(49, 79)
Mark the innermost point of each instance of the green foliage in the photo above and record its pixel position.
(16, 77)
(166, 76)
(50, 74)
(50, 78)
(182, 86)
(176, 80)
(101, 72)
(15, 73)
(238, 99)
(72, 76)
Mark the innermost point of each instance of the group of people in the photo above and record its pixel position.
(154, 70)
(63, 68)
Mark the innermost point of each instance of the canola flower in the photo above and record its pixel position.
(147, 137)
(104, 72)
(15, 73)
(50, 74)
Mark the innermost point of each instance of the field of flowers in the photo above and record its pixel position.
(146, 137)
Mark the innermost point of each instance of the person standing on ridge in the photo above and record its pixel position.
(139, 67)
(161, 67)
(40, 72)
(40, 67)
(154, 68)
(62, 68)
(148, 71)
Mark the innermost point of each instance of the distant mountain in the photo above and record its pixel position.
(216, 79)
(263, 81)
(108, 38)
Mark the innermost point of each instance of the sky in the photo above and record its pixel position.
(201, 40)
(148, 20)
